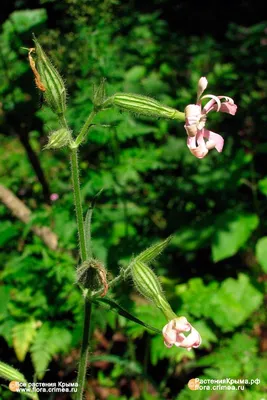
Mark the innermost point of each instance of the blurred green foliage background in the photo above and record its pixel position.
(215, 270)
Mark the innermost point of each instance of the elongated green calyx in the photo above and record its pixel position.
(144, 105)
(58, 139)
(145, 281)
(148, 284)
(11, 374)
(49, 81)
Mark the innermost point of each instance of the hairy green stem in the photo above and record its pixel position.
(78, 202)
(85, 128)
(83, 252)
(84, 349)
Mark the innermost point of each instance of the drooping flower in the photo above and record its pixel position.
(200, 140)
(173, 334)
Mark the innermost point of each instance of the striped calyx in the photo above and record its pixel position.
(11, 374)
(59, 138)
(49, 81)
(143, 105)
(146, 282)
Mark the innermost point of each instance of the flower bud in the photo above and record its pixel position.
(143, 105)
(99, 95)
(202, 86)
(173, 334)
(49, 81)
(91, 274)
(58, 139)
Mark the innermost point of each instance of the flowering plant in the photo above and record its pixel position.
(91, 274)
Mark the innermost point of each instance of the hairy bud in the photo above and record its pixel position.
(48, 80)
(59, 138)
(99, 94)
(143, 105)
(91, 274)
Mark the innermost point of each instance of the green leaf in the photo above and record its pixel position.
(233, 303)
(7, 232)
(4, 299)
(145, 312)
(263, 186)
(232, 230)
(26, 20)
(131, 366)
(48, 342)
(117, 308)
(135, 73)
(23, 335)
(261, 252)
(228, 305)
(206, 333)
(159, 351)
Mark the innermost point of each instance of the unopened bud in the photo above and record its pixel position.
(49, 81)
(99, 95)
(143, 105)
(91, 274)
(202, 85)
(58, 139)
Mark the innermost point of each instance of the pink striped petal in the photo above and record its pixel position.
(182, 324)
(192, 340)
(199, 151)
(173, 334)
(217, 140)
(229, 108)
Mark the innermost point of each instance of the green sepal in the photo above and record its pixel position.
(153, 251)
(99, 94)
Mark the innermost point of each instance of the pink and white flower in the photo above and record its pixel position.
(200, 140)
(173, 334)
(54, 197)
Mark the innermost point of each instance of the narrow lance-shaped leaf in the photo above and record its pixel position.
(111, 304)
(87, 226)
